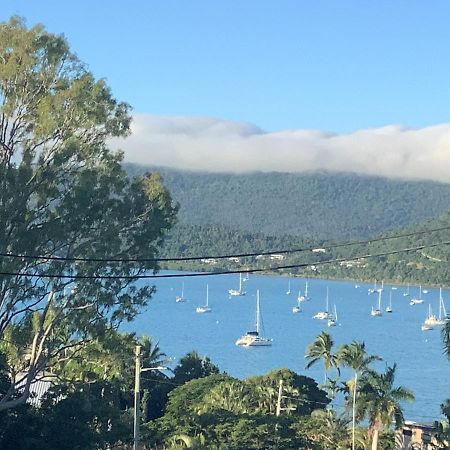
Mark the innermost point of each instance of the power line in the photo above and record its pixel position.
(224, 272)
(234, 255)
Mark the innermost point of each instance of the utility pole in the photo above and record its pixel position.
(137, 396)
(280, 392)
(354, 411)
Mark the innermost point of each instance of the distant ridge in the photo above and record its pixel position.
(310, 205)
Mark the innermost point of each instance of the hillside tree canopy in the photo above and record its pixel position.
(64, 194)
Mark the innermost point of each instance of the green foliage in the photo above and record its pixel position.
(312, 205)
(192, 366)
(82, 417)
(65, 194)
(238, 414)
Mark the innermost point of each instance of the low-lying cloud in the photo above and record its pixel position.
(207, 144)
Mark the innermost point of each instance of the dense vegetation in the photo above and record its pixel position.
(90, 403)
(427, 266)
(317, 205)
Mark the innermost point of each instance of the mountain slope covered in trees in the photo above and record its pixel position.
(308, 205)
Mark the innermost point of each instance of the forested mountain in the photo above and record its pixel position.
(308, 205)
(257, 213)
(428, 265)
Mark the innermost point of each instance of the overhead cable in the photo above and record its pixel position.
(234, 255)
(224, 272)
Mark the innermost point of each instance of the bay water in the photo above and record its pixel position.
(396, 337)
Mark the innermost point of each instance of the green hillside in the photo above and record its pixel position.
(429, 266)
(311, 205)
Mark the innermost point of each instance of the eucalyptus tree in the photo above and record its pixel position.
(379, 401)
(321, 349)
(71, 222)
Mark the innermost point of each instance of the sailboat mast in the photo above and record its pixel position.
(379, 300)
(240, 282)
(257, 311)
(327, 300)
(207, 295)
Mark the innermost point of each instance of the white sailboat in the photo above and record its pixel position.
(180, 298)
(205, 308)
(296, 309)
(237, 292)
(288, 292)
(374, 289)
(406, 293)
(376, 312)
(417, 300)
(300, 297)
(333, 318)
(380, 289)
(322, 315)
(443, 318)
(305, 295)
(431, 319)
(253, 338)
(389, 307)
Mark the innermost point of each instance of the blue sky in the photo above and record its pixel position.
(288, 86)
(330, 65)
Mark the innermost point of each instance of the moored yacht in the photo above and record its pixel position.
(253, 338)
(205, 308)
(237, 292)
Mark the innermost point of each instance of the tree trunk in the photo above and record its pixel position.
(375, 437)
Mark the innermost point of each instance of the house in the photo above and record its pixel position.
(414, 435)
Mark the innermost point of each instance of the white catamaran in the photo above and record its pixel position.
(322, 315)
(253, 338)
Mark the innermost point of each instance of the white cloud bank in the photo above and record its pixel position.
(223, 146)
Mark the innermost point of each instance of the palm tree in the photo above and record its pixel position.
(445, 333)
(321, 349)
(354, 355)
(379, 401)
(152, 356)
(332, 430)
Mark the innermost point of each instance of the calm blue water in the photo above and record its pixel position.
(396, 337)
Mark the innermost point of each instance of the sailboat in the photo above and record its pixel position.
(417, 300)
(443, 318)
(374, 289)
(332, 318)
(180, 298)
(431, 319)
(322, 315)
(376, 312)
(252, 338)
(205, 308)
(389, 307)
(288, 292)
(380, 289)
(406, 293)
(305, 295)
(300, 297)
(237, 292)
(296, 309)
